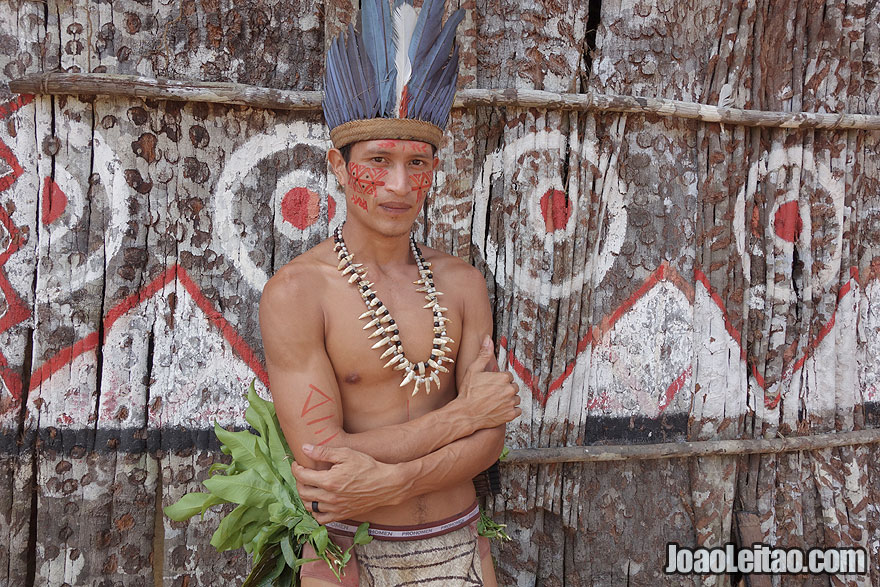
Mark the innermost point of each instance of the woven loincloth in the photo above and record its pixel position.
(451, 560)
(447, 552)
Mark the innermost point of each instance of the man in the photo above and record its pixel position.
(390, 405)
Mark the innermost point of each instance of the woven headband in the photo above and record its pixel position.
(386, 128)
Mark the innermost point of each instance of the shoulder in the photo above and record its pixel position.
(456, 272)
(296, 288)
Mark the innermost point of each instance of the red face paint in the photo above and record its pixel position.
(421, 183)
(365, 179)
(388, 144)
(359, 201)
(419, 147)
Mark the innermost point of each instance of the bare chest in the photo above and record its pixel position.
(371, 393)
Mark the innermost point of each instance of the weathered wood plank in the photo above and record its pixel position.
(189, 559)
(265, 97)
(661, 49)
(21, 35)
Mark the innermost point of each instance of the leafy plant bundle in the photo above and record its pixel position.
(270, 522)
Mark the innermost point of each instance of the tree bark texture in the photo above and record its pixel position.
(654, 279)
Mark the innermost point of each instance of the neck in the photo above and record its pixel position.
(375, 249)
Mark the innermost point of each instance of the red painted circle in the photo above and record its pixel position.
(787, 222)
(301, 207)
(54, 201)
(556, 210)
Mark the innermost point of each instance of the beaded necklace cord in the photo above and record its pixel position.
(422, 373)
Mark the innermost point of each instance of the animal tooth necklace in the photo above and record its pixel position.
(423, 373)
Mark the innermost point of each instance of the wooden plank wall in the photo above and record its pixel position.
(654, 279)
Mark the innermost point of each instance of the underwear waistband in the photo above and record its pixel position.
(417, 532)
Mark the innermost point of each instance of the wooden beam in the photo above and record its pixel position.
(677, 450)
(101, 84)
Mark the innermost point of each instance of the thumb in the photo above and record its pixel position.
(327, 454)
(485, 358)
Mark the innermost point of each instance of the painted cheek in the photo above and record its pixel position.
(365, 179)
(359, 201)
(421, 183)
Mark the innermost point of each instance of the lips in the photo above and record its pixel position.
(395, 206)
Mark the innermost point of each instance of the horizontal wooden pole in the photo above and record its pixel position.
(102, 84)
(677, 450)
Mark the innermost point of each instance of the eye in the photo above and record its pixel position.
(378, 160)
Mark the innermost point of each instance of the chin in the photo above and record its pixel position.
(395, 229)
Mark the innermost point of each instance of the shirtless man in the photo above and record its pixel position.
(367, 449)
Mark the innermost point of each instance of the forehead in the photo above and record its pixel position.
(392, 146)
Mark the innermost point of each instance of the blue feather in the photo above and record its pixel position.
(427, 29)
(359, 77)
(376, 33)
(424, 84)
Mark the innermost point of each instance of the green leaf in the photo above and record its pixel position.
(261, 415)
(306, 526)
(246, 454)
(266, 569)
(267, 537)
(491, 529)
(288, 551)
(192, 504)
(258, 414)
(246, 488)
(225, 468)
(234, 530)
(362, 536)
(319, 540)
(287, 577)
(504, 452)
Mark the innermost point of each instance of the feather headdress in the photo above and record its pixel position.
(394, 76)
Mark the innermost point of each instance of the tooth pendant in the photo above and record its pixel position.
(421, 374)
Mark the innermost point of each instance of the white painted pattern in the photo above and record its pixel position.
(239, 162)
(199, 379)
(648, 348)
(772, 166)
(504, 162)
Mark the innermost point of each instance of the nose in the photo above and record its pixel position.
(397, 181)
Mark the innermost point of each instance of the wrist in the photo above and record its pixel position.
(461, 418)
(404, 476)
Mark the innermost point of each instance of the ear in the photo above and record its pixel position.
(436, 163)
(337, 164)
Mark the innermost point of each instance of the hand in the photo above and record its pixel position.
(488, 396)
(355, 483)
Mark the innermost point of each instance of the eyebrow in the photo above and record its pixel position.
(374, 151)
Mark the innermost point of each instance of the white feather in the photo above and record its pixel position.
(403, 25)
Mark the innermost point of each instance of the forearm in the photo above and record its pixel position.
(414, 439)
(451, 464)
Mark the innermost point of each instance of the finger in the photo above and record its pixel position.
(326, 500)
(481, 363)
(312, 477)
(327, 454)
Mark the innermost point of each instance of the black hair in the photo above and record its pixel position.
(346, 152)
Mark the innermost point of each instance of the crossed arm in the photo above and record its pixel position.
(436, 450)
